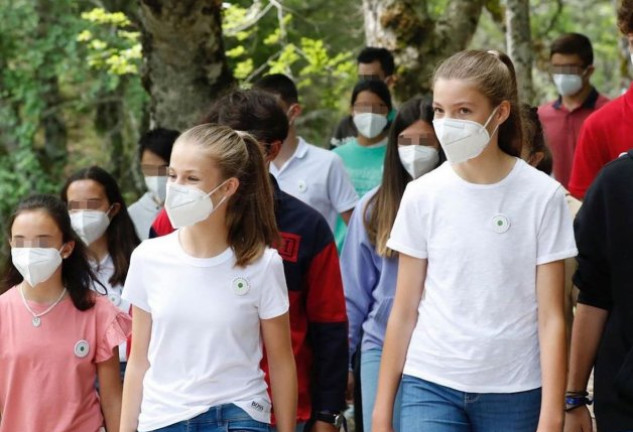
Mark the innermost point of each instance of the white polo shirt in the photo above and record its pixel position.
(143, 212)
(318, 178)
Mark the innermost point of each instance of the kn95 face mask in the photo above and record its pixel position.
(36, 265)
(188, 205)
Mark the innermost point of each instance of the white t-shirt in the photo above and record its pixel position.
(205, 345)
(477, 327)
(318, 178)
(143, 212)
(104, 271)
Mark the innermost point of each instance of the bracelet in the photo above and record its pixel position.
(576, 400)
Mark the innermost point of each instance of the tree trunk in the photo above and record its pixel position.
(185, 66)
(519, 46)
(418, 42)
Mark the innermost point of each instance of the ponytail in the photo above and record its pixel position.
(250, 216)
(250, 213)
(492, 73)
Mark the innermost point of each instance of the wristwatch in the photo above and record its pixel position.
(336, 419)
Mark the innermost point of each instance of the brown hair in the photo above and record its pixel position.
(250, 216)
(534, 138)
(492, 73)
(380, 211)
(625, 16)
(573, 43)
(121, 234)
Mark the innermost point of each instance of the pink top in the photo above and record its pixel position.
(47, 373)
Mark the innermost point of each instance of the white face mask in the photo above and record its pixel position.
(157, 185)
(370, 125)
(567, 84)
(188, 205)
(462, 139)
(36, 265)
(418, 159)
(89, 225)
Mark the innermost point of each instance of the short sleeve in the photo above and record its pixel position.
(340, 187)
(593, 277)
(273, 300)
(555, 238)
(409, 232)
(113, 329)
(134, 290)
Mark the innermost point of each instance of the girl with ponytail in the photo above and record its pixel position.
(477, 333)
(207, 296)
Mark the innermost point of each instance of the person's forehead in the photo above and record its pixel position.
(558, 59)
(373, 68)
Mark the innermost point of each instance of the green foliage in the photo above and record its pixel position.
(111, 43)
(297, 40)
(48, 54)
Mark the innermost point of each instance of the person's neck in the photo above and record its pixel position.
(288, 148)
(207, 238)
(99, 248)
(571, 102)
(490, 167)
(366, 142)
(45, 292)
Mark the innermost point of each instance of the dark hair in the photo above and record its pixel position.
(381, 209)
(254, 111)
(625, 16)
(159, 141)
(279, 85)
(573, 43)
(534, 138)
(77, 275)
(377, 87)
(122, 237)
(492, 74)
(382, 55)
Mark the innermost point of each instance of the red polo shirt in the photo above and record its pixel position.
(605, 134)
(562, 127)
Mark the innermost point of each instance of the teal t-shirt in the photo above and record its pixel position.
(364, 166)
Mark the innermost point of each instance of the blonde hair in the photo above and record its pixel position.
(250, 215)
(492, 73)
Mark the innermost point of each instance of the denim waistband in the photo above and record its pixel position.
(221, 414)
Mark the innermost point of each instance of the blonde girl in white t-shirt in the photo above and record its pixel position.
(206, 297)
(477, 332)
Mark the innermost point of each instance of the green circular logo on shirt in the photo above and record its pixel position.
(241, 285)
(500, 223)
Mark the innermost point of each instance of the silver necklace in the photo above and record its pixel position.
(37, 318)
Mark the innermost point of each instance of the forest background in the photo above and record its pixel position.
(81, 80)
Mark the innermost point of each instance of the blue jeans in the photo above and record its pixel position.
(429, 407)
(221, 418)
(369, 368)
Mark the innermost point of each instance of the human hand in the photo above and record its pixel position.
(578, 420)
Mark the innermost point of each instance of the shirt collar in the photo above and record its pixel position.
(588, 103)
(302, 148)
